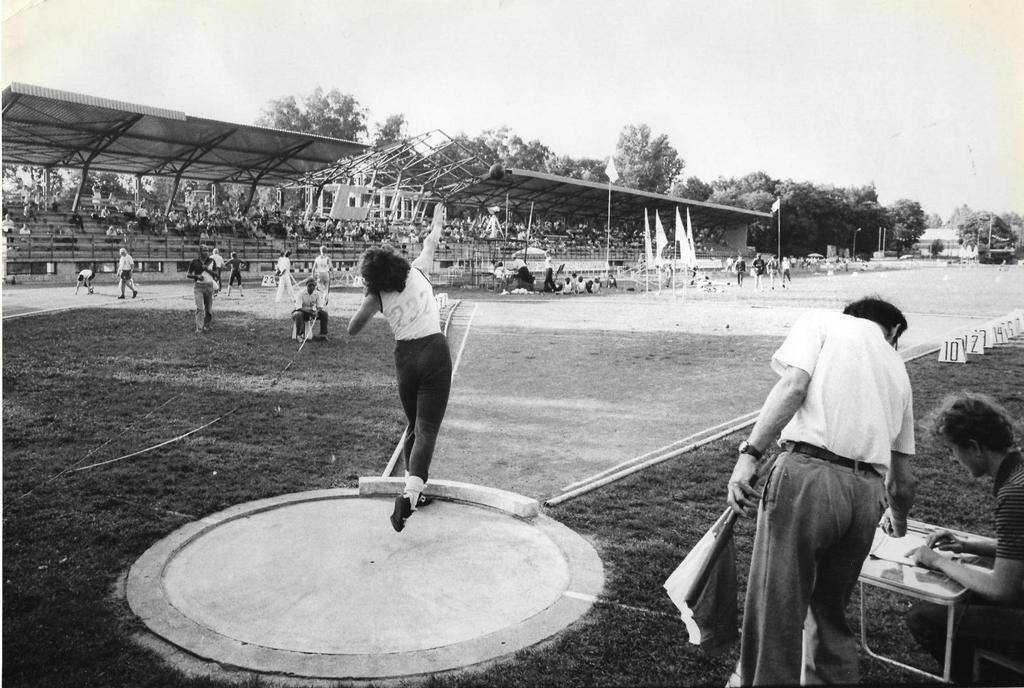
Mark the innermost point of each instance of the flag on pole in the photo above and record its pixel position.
(683, 240)
(661, 241)
(689, 238)
(777, 205)
(648, 252)
(613, 174)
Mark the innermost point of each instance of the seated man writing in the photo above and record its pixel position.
(309, 306)
(979, 434)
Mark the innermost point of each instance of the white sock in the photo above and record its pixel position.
(413, 487)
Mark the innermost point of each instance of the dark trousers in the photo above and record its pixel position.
(302, 317)
(990, 627)
(424, 368)
(549, 280)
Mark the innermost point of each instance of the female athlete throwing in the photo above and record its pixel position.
(404, 295)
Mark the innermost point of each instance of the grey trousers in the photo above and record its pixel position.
(815, 526)
(204, 305)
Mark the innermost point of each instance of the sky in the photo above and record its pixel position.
(924, 99)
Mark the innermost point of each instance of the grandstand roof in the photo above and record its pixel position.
(49, 128)
(436, 164)
(551, 193)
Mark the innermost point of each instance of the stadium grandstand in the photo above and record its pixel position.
(296, 191)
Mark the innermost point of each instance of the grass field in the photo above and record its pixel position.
(87, 386)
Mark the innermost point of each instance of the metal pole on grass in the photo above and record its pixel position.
(608, 232)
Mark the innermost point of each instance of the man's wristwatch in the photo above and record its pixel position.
(747, 448)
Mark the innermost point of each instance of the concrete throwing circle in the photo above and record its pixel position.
(317, 584)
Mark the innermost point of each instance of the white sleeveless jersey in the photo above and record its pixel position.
(412, 313)
(322, 263)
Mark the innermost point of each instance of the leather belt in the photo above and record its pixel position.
(826, 455)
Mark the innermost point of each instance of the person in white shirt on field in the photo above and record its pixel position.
(125, 266)
(423, 363)
(310, 306)
(322, 268)
(285, 285)
(85, 279)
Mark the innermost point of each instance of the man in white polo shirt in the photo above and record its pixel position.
(843, 410)
(125, 266)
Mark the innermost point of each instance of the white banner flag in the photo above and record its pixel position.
(613, 174)
(648, 252)
(689, 238)
(661, 241)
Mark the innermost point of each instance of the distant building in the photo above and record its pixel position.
(950, 242)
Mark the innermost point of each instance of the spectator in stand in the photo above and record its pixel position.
(8, 224)
(76, 221)
(143, 217)
(25, 231)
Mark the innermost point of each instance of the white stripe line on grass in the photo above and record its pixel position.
(462, 346)
(594, 600)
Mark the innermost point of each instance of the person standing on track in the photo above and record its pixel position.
(787, 265)
(235, 263)
(201, 270)
(423, 363)
(322, 267)
(760, 268)
(125, 266)
(218, 265)
(284, 278)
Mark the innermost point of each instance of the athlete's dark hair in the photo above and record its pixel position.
(967, 416)
(879, 311)
(383, 270)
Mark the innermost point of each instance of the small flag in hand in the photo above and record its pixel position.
(613, 174)
(703, 587)
(777, 205)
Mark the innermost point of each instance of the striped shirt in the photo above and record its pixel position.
(1009, 514)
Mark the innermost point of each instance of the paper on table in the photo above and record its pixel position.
(895, 550)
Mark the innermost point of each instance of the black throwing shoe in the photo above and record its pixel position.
(403, 510)
(423, 500)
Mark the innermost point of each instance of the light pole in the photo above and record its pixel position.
(855, 244)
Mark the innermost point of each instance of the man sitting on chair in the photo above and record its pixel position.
(309, 306)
